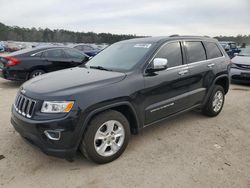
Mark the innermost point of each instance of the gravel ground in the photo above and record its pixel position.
(188, 151)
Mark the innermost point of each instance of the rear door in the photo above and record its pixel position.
(56, 59)
(201, 70)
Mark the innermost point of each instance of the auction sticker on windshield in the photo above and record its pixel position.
(142, 45)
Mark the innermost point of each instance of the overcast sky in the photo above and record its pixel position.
(140, 17)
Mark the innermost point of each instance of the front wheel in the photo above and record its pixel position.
(215, 102)
(106, 137)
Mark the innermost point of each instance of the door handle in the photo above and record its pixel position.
(183, 72)
(211, 65)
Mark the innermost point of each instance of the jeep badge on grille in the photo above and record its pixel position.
(23, 91)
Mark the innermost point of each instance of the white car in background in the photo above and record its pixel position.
(240, 69)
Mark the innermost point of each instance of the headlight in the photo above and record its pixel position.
(56, 106)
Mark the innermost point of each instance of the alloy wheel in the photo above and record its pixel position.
(109, 138)
(217, 101)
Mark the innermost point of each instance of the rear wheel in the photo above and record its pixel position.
(36, 73)
(106, 137)
(215, 102)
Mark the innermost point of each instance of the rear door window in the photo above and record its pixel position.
(212, 50)
(78, 48)
(171, 52)
(72, 53)
(195, 51)
(57, 53)
(87, 48)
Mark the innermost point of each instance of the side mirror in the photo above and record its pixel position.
(158, 64)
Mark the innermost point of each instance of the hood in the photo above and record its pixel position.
(69, 81)
(243, 60)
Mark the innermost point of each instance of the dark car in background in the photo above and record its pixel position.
(28, 63)
(87, 49)
(230, 47)
(240, 69)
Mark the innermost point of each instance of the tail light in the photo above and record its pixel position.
(12, 61)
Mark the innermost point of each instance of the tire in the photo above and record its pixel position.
(213, 108)
(36, 73)
(98, 142)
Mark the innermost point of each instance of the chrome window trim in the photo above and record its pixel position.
(172, 41)
(32, 55)
(203, 61)
(183, 65)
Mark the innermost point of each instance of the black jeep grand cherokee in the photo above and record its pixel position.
(126, 87)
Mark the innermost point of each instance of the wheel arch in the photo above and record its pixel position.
(223, 81)
(35, 68)
(125, 107)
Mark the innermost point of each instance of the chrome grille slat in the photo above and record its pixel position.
(28, 107)
(19, 100)
(24, 106)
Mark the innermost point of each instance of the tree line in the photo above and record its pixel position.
(15, 33)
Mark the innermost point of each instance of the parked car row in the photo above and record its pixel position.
(29, 63)
(230, 47)
(89, 49)
(2, 49)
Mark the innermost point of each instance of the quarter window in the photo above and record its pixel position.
(54, 53)
(87, 48)
(212, 50)
(78, 48)
(172, 52)
(195, 51)
(72, 53)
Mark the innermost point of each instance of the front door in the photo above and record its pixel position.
(167, 91)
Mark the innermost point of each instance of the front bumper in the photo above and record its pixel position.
(240, 75)
(33, 131)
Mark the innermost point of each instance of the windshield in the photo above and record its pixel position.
(120, 56)
(245, 52)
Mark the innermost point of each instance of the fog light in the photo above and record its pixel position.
(53, 134)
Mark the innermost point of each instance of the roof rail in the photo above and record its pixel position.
(175, 35)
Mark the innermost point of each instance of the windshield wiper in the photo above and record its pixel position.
(100, 68)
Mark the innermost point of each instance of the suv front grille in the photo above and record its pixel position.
(24, 106)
